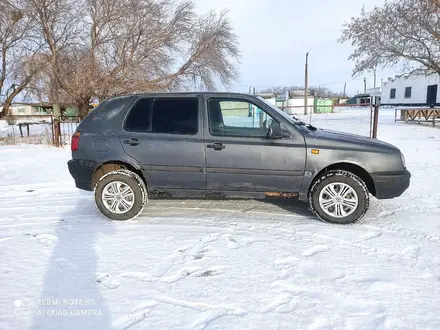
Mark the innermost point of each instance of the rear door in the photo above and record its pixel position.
(240, 157)
(165, 135)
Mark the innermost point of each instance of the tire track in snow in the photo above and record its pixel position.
(162, 271)
(208, 312)
(357, 312)
(315, 250)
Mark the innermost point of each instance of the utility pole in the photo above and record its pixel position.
(374, 78)
(306, 83)
(375, 121)
(376, 112)
(365, 85)
(249, 105)
(345, 89)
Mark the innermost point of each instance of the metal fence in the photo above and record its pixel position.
(68, 125)
(37, 129)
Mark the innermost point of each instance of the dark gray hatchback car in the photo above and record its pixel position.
(226, 145)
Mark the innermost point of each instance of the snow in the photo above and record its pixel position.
(191, 264)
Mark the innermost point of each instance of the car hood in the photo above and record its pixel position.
(329, 138)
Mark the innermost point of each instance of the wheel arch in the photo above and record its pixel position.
(114, 165)
(356, 169)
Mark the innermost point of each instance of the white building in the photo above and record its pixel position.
(293, 102)
(411, 90)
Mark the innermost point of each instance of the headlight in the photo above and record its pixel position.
(403, 160)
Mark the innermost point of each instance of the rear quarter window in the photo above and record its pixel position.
(138, 119)
(105, 118)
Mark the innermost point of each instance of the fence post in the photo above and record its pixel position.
(52, 128)
(375, 121)
(56, 131)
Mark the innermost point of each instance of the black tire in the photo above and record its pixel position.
(136, 184)
(349, 179)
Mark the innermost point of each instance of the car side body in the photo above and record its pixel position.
(215, 160)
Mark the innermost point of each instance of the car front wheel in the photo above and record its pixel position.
(120, 195)
(339, 197)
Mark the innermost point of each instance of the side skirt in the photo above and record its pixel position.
(206, 194)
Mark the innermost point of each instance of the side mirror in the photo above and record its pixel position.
(286, 134)
(276, 132)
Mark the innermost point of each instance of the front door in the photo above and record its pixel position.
(240, 157)
(431, 98)
(165, 135)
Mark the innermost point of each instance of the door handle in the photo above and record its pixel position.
(132, 142)
(216, 146)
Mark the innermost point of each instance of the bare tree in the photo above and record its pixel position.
(282, 89)
(19, 58)
(164, 45)
(399, 32)
(322, 91)
(102, 48)
(58, 23)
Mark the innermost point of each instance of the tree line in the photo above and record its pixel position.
(75, 51)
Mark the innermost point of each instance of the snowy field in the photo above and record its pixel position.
(219, 264)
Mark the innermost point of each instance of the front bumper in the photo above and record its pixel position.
(391, 184)
(82, 172)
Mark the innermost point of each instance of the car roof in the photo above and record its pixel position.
(164, 94)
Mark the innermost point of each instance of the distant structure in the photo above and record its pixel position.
(292, 102)
(415, 89)
(360, 99)
(45, 108)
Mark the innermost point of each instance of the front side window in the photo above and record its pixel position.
(237, 118)
(164, 115)
(408, 92)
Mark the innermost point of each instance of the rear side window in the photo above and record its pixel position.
(164, 115)
(139, 117)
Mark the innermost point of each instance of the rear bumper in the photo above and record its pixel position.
(391, 184)
(82, 172)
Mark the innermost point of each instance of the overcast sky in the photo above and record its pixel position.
(274, 36)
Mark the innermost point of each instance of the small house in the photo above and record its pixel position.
(416, 89)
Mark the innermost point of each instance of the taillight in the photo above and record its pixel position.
(75, 141)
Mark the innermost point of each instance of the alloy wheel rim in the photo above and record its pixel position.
(118, 197)
(338, 200)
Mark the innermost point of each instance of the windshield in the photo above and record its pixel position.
(292, 119)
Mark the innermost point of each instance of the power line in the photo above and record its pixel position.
(287, 85)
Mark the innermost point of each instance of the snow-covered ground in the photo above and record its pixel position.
(219, 264)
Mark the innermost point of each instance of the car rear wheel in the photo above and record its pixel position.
(339, 197)
(120, 195)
